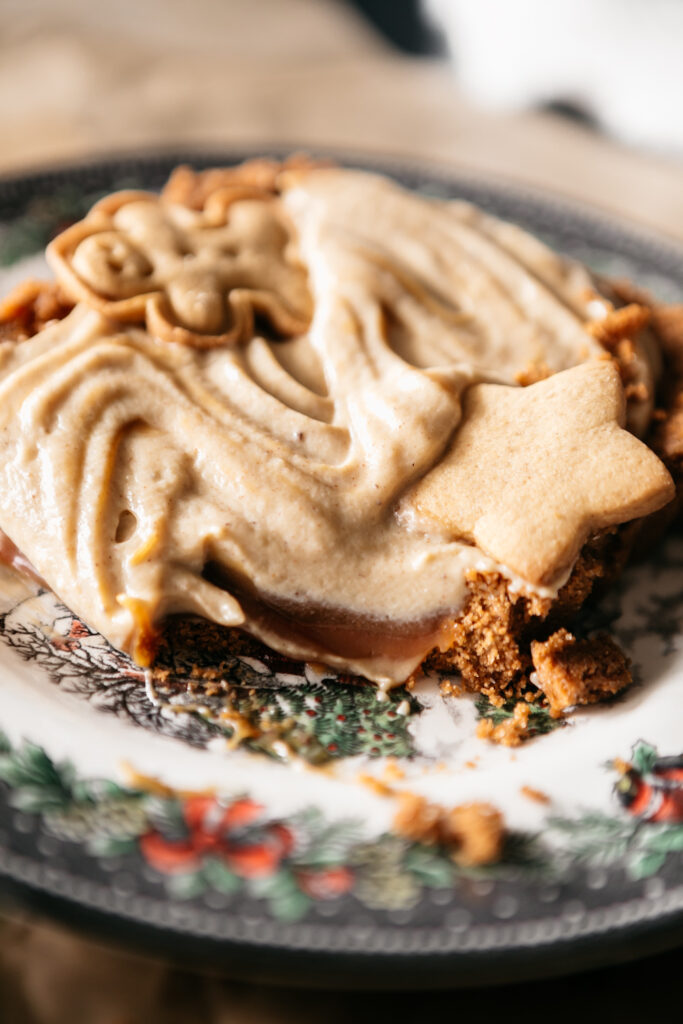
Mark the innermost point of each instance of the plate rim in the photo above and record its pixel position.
(445, 172)
(662, 916)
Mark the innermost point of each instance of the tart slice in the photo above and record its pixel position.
(366, 427)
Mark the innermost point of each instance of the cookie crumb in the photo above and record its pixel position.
(417, 819)
(537, 795)
(636, 392)
(30, 307)
(618, 324)
(474, 832)
(376, 785)
(572, 672)
(621, 766)
(510, 733)
(393, 771)
(532, 373)
(451, 688)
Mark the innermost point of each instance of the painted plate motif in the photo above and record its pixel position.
(243, 828)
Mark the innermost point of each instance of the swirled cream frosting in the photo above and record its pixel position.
(298, 414)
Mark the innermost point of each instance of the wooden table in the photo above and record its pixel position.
(78, 78)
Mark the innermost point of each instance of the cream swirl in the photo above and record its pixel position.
(259, 485)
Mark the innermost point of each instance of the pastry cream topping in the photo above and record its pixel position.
(164, 451)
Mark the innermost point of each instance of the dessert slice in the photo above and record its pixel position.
(287, 400)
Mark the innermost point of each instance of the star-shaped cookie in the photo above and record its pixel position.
(532, 472)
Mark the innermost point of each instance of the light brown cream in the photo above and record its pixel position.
(265, 483)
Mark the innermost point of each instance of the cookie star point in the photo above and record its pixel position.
(533, 472)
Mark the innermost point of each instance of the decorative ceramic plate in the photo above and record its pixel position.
(134, 810)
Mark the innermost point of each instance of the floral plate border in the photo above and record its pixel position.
(224, 880)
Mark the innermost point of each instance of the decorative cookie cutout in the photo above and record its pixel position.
(198, 278)
(534, 471)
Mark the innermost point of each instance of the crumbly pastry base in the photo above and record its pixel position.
(494, 634)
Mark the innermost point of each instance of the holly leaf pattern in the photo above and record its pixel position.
(209, 678)
(200, 842)
(38, 784)
(323, 843)
(643, 757)
(663, 838)
(645, 865)
(220, 877)
(595, 838)
(186, 887)
(281, 891)
(429, 867)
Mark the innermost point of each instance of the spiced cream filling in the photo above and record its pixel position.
(265, 482)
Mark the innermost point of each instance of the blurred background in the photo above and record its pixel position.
(582, 97)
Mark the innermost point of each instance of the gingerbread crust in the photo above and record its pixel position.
(492, 635)
(572, 672)
(192, 188)
(30, 307)
(666, 438)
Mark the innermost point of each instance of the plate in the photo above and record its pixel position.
(130, 810)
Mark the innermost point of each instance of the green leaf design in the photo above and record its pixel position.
(108, 846)
(646, 865)
(272, 886)
(96, 790)
(166, 815)
(430, 867)
(540, 719)
(665, 839)
(388, 872)
(186, 887)
(121, 819)
(336, 720)
(290, 907)
(322, 722)
(289, 714)
(220, 877)
(323, 843)
(281, 890)
(36, 800)
(28, 766)
(643, 757)
(595, 838)
(37, 782)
